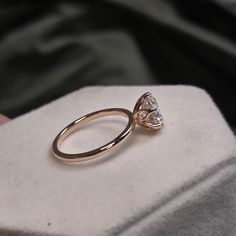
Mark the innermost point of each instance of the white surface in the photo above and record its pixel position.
(119, 193)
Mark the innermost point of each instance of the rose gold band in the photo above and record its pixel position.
(146, 113)
(75, 158)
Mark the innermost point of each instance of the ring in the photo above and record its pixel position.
(146, 113)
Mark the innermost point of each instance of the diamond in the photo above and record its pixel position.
(147, 113)
(155, 118)
(149, 103)
(143, 114)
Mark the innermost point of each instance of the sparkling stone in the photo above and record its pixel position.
(155, 118)
(143, 114)
(150, 103)
(147, 114)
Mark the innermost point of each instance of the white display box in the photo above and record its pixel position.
(178, 181)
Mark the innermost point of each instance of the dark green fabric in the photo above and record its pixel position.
(49, 49)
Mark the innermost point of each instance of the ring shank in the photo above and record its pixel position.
(75, 125)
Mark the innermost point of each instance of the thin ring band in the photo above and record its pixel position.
(146, 113)
(72, 158)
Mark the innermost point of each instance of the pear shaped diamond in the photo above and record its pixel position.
(149, 103)
(147, 112)
(155, 118)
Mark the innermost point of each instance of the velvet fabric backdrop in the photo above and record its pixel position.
(49, 49)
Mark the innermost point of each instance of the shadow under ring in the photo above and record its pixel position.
(82, 121)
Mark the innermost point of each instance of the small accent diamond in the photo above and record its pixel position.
(143, 114)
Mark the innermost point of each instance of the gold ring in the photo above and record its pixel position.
(146, 113)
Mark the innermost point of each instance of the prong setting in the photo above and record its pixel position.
(147, 112)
